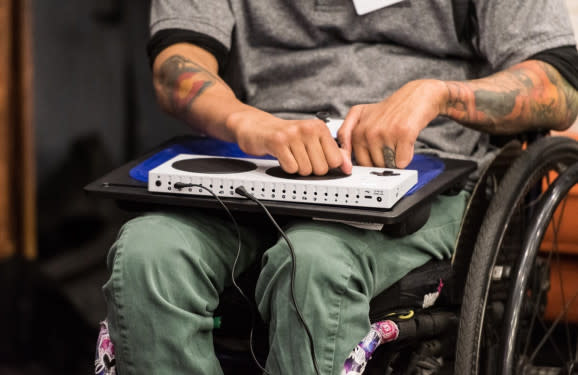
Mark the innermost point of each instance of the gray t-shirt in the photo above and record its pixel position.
(298, 57)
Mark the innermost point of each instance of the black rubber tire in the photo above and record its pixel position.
(546, 154)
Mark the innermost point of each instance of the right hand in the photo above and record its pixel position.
(301, 146)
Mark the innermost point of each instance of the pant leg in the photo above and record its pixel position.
(167, 271)
(339, 270)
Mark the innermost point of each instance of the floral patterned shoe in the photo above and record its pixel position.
(104, 364)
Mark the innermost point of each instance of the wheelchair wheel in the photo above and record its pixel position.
(530, 282)
(497, 251)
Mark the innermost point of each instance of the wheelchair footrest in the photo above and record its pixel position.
(427, 325)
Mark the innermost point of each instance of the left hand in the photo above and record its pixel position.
(394, 123)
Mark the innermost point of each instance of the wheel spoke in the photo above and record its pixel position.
(537, 370)
(575, 363)
(552, 342)
(540, 291)
(536, 306)
(556, 229)
(561, 315)
(572, 367)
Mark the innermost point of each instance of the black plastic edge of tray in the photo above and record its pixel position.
(132, 194)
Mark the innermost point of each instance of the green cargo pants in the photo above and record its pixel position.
(168, 269)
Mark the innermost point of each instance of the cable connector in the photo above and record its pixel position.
(182, 185)
(242, 191)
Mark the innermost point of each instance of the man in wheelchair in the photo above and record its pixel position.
(407, 77)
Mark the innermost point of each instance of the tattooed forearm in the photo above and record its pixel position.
(182, 81)
(527, 96)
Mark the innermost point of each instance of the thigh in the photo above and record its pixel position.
(437, 239)
(377, 259)
(175, 247)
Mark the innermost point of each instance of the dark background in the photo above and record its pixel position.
(94, 109)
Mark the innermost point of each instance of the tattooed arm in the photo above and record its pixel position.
(530, 95)
(188, 87)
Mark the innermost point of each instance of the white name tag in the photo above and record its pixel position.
(366, 6)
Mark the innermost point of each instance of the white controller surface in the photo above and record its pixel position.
(365, 187)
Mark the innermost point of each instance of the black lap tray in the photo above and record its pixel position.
(406, 216)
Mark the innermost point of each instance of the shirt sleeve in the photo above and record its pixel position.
(212, 18)
(564, 59)
(510, 31)
(167, 37)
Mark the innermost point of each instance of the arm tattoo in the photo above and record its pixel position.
(182, 81)
(499, 104)
(529, 95)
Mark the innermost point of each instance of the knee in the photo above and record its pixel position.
(151, 253)
(146, 241)
(309, 259)
(161, 259)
